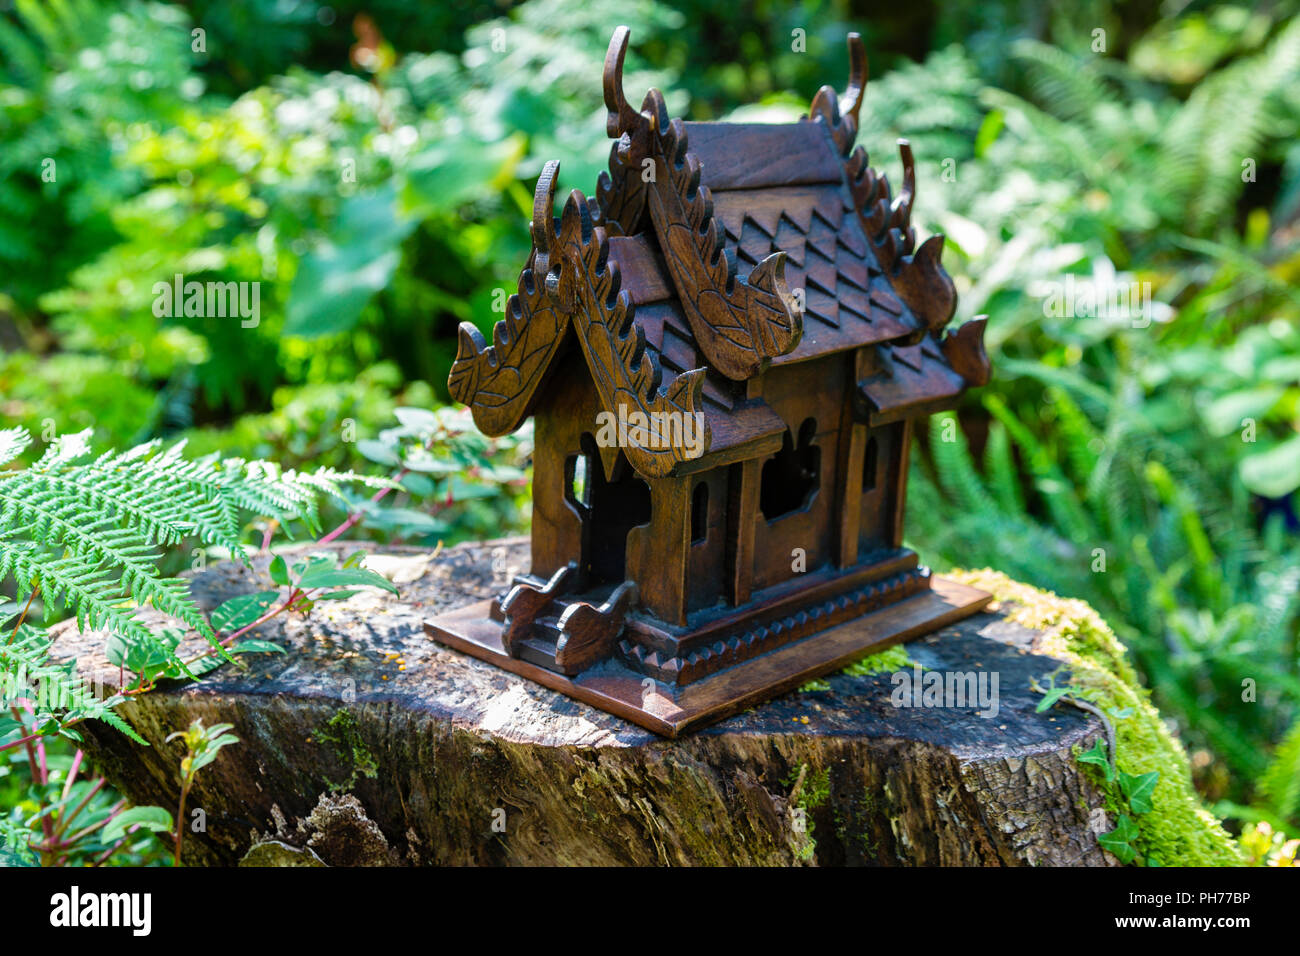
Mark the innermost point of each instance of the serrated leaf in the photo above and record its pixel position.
(242, 611)
(1050, 698)
(325, 577)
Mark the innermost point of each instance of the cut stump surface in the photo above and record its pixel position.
(368, 743)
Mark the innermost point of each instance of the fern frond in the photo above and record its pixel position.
(1067, 512)
(1000, 466)
(55, 690)
(91, 592)
(88, 533)
(1280, 784)
(12, 443)
(94, 542)
(1070, 86)
(955, 468)
(1079, 437)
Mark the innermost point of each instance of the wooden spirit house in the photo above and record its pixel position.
(726, 351)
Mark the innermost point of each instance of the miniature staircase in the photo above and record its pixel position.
(566, 636)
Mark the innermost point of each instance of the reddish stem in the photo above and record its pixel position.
(63, 823)
(72, 774)
(22, 617)
(19, 742)
(353, 518)
(47, 825)
(117, 809)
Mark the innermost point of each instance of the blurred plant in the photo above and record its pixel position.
(1129, 522)
(371, 166)
(69, 70)
(202, 744)
(1266, 847)
(477, 487)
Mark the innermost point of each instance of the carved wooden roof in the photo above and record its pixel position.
(713, 251)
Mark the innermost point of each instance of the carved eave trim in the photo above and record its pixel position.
(740, 324)
(964, 350)
(499, 382)
(915, 381)
(627, 376)
(916, 274)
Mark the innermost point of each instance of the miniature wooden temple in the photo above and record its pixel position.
(725, 352)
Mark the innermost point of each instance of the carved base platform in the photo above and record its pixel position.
(671, 709)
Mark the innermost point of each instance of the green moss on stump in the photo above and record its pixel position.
(887, 661)
(341, 734)
(1178, 831)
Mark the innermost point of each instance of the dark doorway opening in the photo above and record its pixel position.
(700, 513)
(790, 477)
(870, 464)
(609, 510)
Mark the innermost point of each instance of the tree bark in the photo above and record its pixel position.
(367, 743)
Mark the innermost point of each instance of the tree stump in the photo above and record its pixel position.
(368, 743)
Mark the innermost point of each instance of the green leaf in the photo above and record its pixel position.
(254, 646)
(207, 664)
(211, 746)
(1225, 414)
(318, 576)
(355, 559)
(380, 452)
(988, 131)
(419, 419)
(454, 170)
(150, 656)
(242, 611)
(338, 595)
(1050, 698)
(279, 571)
(149, 818)
(1138, 788)
(341, 274)
(419, 485)
(1120, 841)
(1273, 473)
(1097, 755)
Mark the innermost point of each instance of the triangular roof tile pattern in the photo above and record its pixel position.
(751, 246)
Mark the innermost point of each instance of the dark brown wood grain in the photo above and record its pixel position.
(795, 323)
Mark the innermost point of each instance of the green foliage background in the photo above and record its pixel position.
(372, 165)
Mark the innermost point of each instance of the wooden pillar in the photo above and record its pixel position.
(902, 460)
(658, 555)
(852, 450)
(742, 512)
(743, 481)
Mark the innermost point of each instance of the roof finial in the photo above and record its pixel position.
(543, 224)
(851, 102)
(621, 116)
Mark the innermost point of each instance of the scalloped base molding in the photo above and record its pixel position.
(670, 709)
